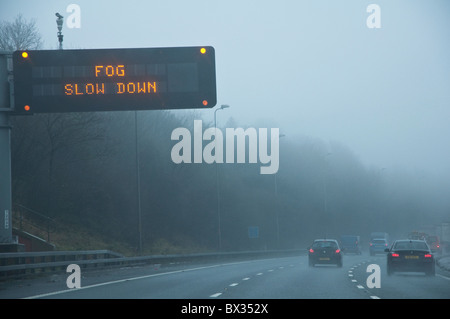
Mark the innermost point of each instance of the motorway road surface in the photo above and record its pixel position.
(275, 278)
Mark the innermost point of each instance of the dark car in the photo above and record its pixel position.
(350, 244)
(325, 251)
(378, 246)
(408, 255)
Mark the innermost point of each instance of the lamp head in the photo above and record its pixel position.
(59, 21)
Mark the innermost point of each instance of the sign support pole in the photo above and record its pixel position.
(5, 153)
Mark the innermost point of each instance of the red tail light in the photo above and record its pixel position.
(311, 250)
(395, 255)
(337, 251)
(428, 256)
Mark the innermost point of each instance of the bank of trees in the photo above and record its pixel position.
(80, 168)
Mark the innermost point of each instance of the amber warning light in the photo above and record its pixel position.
(51, 81)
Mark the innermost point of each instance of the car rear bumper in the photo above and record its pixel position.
(325, 259)
(378, 250)
(402, 266)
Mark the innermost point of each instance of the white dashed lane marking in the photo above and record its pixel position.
(245, 279)
(351, 276)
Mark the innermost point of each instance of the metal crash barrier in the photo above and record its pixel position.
(24, 264)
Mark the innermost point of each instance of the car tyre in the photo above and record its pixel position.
(389, 271)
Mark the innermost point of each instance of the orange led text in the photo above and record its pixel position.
(98, 88)
(88, 88)
(109, 70)
(136, 87)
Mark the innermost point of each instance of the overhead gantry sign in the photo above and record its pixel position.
(52, 81)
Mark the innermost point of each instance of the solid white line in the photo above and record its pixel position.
(443, 276)
(118, 281)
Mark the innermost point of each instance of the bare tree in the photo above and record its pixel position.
(43, 145)
(19, 35)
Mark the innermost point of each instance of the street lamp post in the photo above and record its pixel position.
(138, 182)
(325, 190)
(224, 106)
(277, 206)
(59, 23)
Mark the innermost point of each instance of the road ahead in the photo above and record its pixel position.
(278, 278)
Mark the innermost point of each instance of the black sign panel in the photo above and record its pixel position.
(52, 81)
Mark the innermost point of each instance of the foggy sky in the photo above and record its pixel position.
(307, 67)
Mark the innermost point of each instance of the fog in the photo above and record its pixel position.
(310, 67)
(364, 112)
